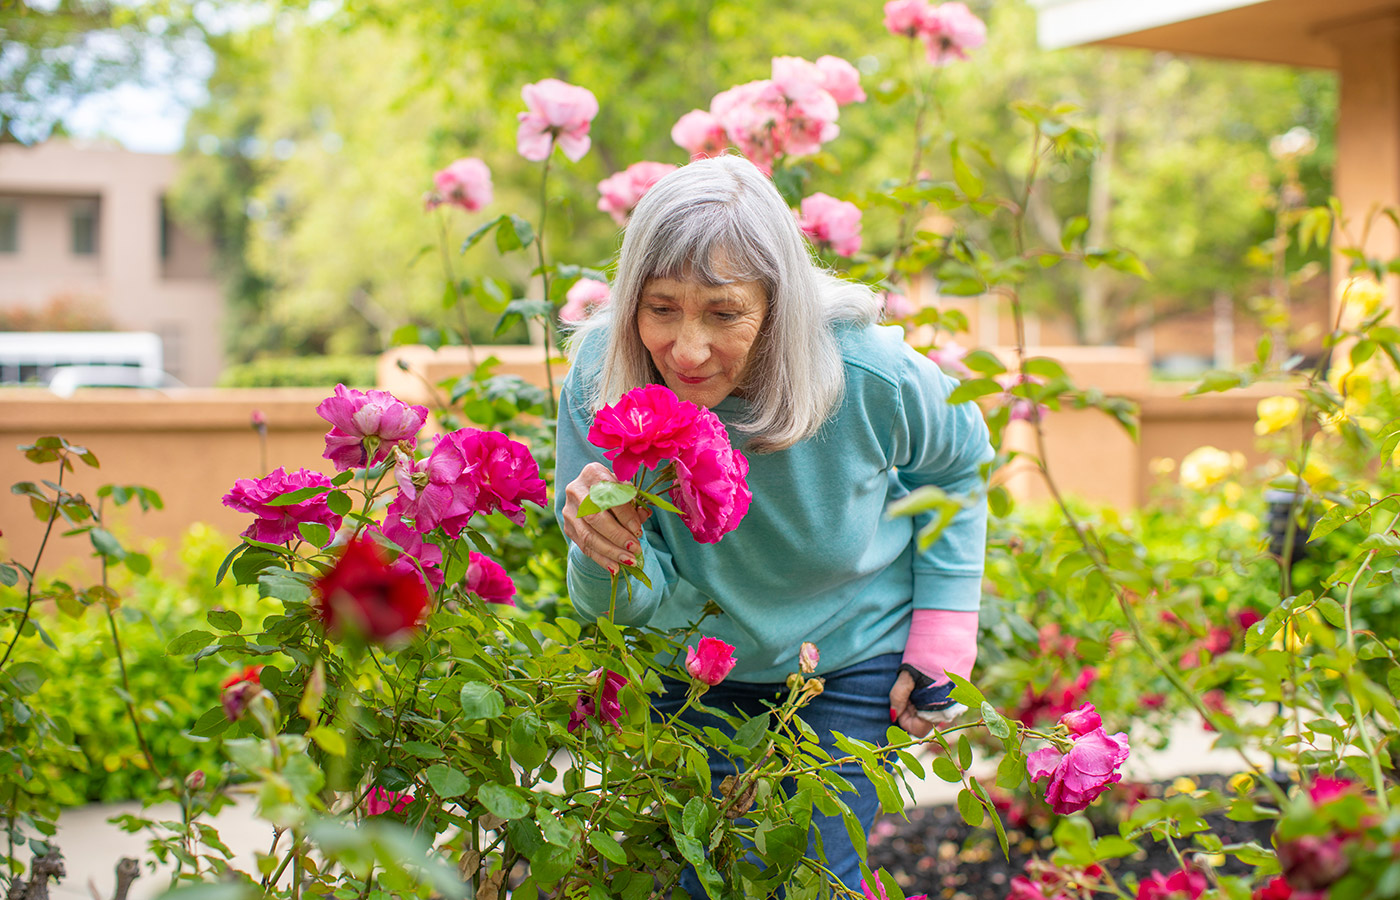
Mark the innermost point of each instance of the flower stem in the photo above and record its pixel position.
(456, 288)
(544, 282)
(34, 569)
(1362, 731)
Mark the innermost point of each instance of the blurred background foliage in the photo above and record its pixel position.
(324, 122)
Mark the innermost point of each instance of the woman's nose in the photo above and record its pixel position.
(692, 347)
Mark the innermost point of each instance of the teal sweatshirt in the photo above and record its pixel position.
(816, 558)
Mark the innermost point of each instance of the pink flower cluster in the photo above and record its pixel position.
(600, 700)
(379, 801)
(623, 191)
(583, 299)
(278, 524)
(367, 425)
(1183, 884)
(651, 424)
(948, 30)
(790, 114)
(831, 223)
(1045, 881)
(710, 662)
(879, 892)
(1022, 408)
(465, 183)
(1080, 775)
(556, 112)
(469, 471)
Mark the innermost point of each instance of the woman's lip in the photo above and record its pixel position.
(685, 379)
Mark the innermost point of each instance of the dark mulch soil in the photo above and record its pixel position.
(937, 854)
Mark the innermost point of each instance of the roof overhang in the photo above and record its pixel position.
(1291, 32)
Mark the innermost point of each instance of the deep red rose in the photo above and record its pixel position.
(365, 595)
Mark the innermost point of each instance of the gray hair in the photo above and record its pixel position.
(717, 221)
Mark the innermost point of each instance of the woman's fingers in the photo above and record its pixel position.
(611, 537)
(902, 712)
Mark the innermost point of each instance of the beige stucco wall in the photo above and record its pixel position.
(178, 298)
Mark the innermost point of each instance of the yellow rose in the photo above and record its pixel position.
(1364, 294)
(1319, 475)
(1232, 493)
(1353, 382)
(1276, 414)
(1215, 516)
(1205, 467)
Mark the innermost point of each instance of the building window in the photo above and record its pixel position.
(84, 220)
(9, 227)
(165, 225)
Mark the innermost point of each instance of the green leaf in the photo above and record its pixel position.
(751, 732)
(964, 752)
(475, 237)
(481, 701)
(225, 619)
(422, 750)
(27, 677)
(606, 495)
(446, 781)
(314, 533)
(1073, 230)
(967, 181)
(970, 808)
(339, 502)
(514, 233)
(504, 801)
(659, 502)
(984, 362)
(228, 561)
(966, 693)
(189, 642)
(997, 725)
(972, 389)
(9, 576)
(291, 498)
(328, 739)
(946, 769)
(608, 847)
(137, 563)
(107, 545)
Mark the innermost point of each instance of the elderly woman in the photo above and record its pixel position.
(717, 297)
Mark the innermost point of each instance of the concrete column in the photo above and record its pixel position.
(1368, 139)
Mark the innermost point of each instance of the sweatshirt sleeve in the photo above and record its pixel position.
(590, 585)
(945, 446)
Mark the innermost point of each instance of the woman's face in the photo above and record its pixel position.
(701, 337)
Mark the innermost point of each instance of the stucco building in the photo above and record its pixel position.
(85, 227)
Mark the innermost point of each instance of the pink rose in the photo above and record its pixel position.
(465, 183)
(841, 80)
(810, 122)
(1022, 409)
(949, 31)
(831, 223)
(808, 657)
(897, 306)
(711, 662)
(753, 116)
(644, 427)
(623, 191)
(278, 524)
(1082, 720)
(711, 488)
(949, 359)
(700, 134)
(1325, 790)
(556, 111)
(583, 299)
(469, 471)
(488, 580)
(1180, 885)
(1082, 774)
(427, 555)
(366, 423)
(905, 17)
(599, 702)
(379, 801)
(797, 77)
(505, 470)
(1313, 862)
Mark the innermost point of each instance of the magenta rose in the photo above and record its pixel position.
(623, 191)
(1324, 789)
(379, 801)
(278, 524)
(700, 134)
(1022, 408)
(645, 426)
(831, 223)
(469, 471)
(1180, 885)
(465, 183)
(949, 31)
(711, 662)
(427, 555)
(711, 488)
(583, 299)
(599, 701)
(556, 112)
(488, 580)
(1082, 720)
(841, 80)
(1082, 774)
(367, 422)
(505, 472)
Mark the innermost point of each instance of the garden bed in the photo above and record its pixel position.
(937, 854)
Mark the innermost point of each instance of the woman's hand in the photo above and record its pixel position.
(915, 721)
(611, 538)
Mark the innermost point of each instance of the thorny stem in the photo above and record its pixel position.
(456, 288)
(33, 570)
(921, 97)
(544, 282)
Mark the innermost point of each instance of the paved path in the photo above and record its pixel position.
(92, 846)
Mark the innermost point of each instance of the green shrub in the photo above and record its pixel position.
(302, 371)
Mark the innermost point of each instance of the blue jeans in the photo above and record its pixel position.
(855, 702)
